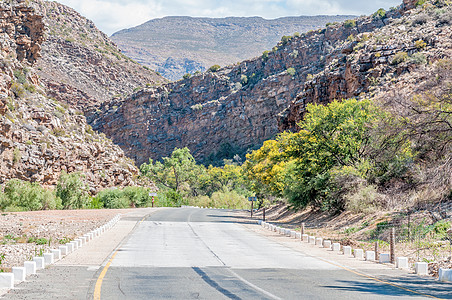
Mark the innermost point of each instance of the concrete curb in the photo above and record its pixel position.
(19, 274)
(421, 268)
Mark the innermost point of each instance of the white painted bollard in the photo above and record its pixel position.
(288, 232)
(83, 239)
(327, 244)
(6, 280)
(402, 262)
(347, 250)
(305, 238)
(70, 247)
(319, 242)
(48, 258)
(74, 245)
(312, 240)
(445, 275)
(298, 236)
(88, 237)
(30, 267)
(385, 258)
(79, 243)
(19, 274)
(259, 222)
(39, 262)
(336, 247)
(56, 254)
(359, 253)
(370, 255)
(293, 234)
(421, 268)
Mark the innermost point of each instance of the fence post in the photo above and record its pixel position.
(377, 255)
(263, 214)
(392, 245)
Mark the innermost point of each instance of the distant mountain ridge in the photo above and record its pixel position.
(177, 45)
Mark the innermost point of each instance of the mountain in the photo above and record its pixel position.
(174, 46)
(41, 137)
(80, 65)
(223, 112)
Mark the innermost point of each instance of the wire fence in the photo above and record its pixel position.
(415, 239)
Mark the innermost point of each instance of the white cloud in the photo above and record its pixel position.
(113, 15)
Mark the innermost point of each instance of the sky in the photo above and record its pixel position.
(113, 15)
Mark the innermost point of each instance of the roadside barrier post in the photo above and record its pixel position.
(392, 245)
(376, 251)
(263, 214)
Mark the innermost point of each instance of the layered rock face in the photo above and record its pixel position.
(40, 137)
(241, 104)
(80, 65)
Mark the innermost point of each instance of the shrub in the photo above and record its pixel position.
(285, 39)
(350, 23)
(187, 76)
(113, 198)
(420, 19)
(214, 68)
(365, 200)
(20, 76)
(23, 195)
(379, 14)
(420, 2)
(291, 71)
(296, 34)
(419, 44)
(399, 58)
(265, 55)
(72, 191)
(418, 59)
(17, 89)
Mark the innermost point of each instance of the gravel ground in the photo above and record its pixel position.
(27, 234)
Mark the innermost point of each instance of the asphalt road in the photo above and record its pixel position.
(190, 253)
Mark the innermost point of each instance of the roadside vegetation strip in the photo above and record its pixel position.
(263, 224)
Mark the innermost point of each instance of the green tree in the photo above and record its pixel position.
(174, 171)
(72, 191)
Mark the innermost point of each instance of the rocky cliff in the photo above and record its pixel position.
(372, 63)
(80, 65)
(240, 105)
(175, 45)
(41, 137)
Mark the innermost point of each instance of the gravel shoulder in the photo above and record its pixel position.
(27, 234)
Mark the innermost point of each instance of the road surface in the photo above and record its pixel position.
(190, 253)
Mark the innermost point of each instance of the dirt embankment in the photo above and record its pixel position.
(421, 234)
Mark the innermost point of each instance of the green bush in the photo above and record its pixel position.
(113, 198)
(349, 23)
(399, 58)
(23, 195)
(72, 191)
(131, 196)
(214, 68)
(291, 71)
(187, 76)
(379, 14)
(285, 39)
(265, 55)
